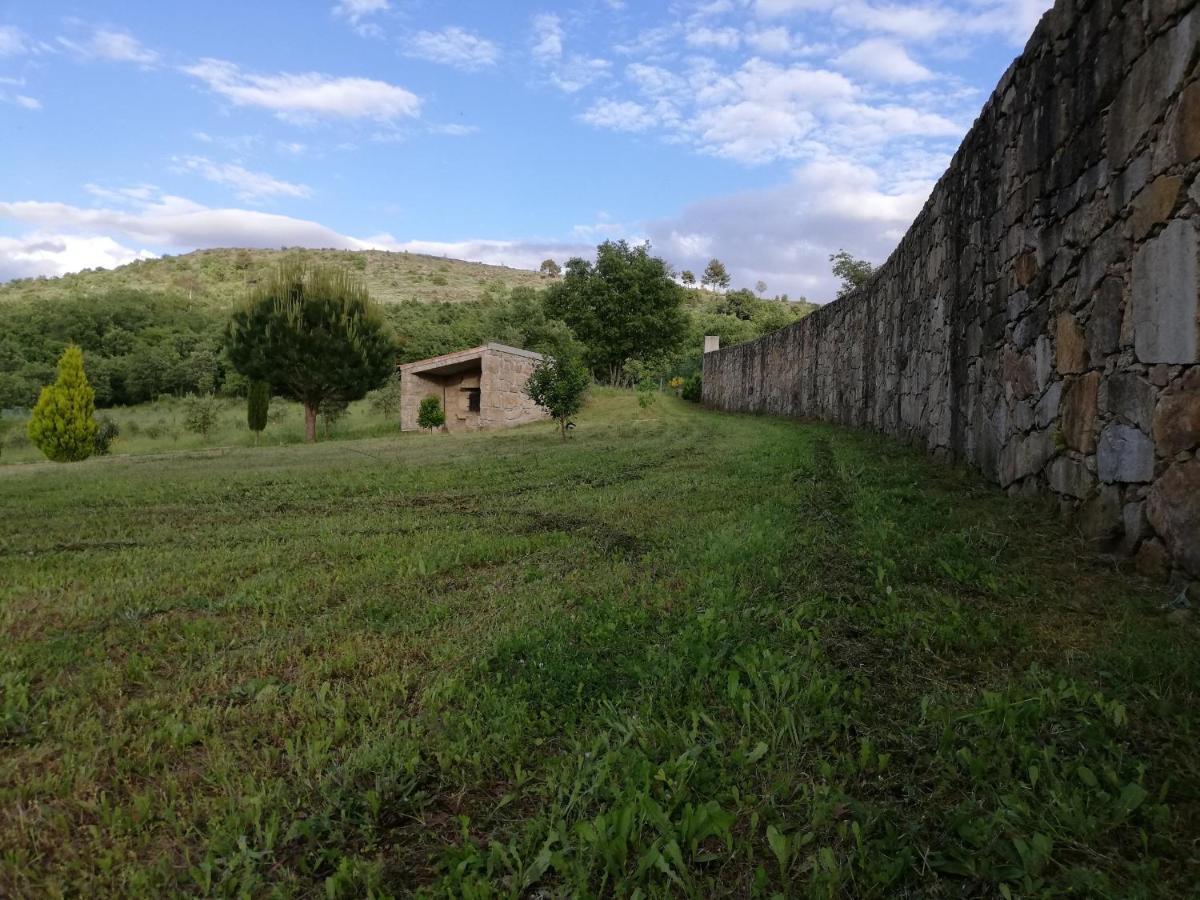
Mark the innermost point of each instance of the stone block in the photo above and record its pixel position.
(1154, 204)
(1020, 379)
(1165, 296)
(1025, 455)
(1070, 348)
(1173, 507)
(1079, 405)
(1177, 417)
(1129, 398)
(1124, 454)
(1046, 410)
(1100, 518)
(1156, 75)
(1134, 525)
(1104, 324)
(1071, 477)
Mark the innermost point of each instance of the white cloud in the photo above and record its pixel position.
(784, 234)
(454, 46)
(770, 41)
(247, 185)
(308, 96)
(42, 253)
(618, 115)
(355, 11)
(13, 41)
(27, 102)
(454, 129)
(577, 72)
(885, 60)
(111, 45)
(547, 37)
(716, 38)
(1010, 19)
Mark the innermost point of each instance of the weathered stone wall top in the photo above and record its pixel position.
(1041, 317)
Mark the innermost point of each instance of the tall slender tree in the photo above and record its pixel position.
(312, 333)
(258, 405)
(62, 424)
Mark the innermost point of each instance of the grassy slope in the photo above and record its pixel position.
(687, 652)
(219, 277)
(160, 427)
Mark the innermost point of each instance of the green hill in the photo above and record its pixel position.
(220, 277)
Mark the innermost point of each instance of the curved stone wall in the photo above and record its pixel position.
(1041, 317)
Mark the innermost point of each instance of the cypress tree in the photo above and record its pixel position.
(62, 425)
(313, 333)
(258, 404)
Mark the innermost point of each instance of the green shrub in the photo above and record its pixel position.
(557, 385)
(107, 431)
(692, 389)
(62, 424)
(430, 414)
(200, 414)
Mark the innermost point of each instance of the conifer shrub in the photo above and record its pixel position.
(62, 424)
(258, 406)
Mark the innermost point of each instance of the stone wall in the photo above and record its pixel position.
(500, 372)
(1039, 320)
(504, 399)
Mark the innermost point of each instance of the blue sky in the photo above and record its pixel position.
(768, 133)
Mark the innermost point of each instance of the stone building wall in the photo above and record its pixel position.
(500, 373)
(1040, 317)
(504, 401)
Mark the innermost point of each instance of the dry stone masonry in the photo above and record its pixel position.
(1041, 317)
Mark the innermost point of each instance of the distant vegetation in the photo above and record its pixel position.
(144, 338)
(219, 278)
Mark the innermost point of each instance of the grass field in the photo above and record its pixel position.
(161, 426)
(684, 653)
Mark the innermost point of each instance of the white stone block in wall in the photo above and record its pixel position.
(1166, 296)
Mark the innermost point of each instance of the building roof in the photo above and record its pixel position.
(459, 360)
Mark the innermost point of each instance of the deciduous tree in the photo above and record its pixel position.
(430, 413)
(550, 269)
(853, 272)
(626, 305)
(313, 334)
(557, 385)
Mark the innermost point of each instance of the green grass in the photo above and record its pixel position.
(161, 427)
(219, 278)
(684, 653)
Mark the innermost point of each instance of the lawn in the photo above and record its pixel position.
(684, 653)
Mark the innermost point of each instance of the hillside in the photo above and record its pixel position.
(219, 277)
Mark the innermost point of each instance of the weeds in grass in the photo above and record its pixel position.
(699, 655)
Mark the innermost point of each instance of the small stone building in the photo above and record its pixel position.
(483, 387)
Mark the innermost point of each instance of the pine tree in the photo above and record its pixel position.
(313, 333)
(62, 424)
(258, 404)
